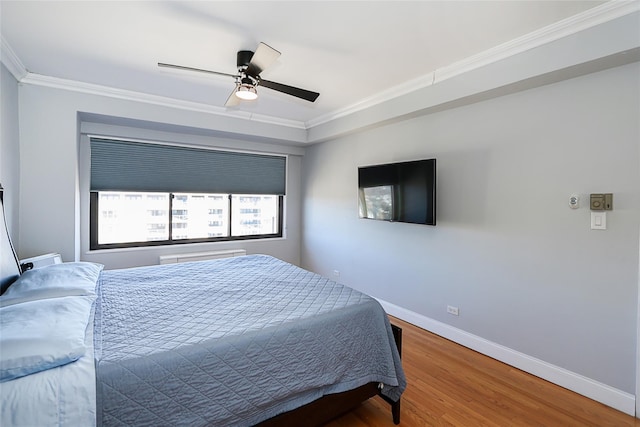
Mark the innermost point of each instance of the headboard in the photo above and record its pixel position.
(9, 263)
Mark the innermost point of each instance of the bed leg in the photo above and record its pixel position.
(397, 336)
(395, 411)
(395, 406)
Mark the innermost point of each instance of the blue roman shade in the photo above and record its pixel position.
(135, 166)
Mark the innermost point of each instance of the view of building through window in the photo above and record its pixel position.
(126, 217)
(198, 216)
(376, 202)
(252, 215)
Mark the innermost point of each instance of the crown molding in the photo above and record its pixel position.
(590, 18)
(606, 12)
(129, 95)
(10, 60)
(593, 17)
(379, 98)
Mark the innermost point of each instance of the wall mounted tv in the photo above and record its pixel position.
(401, 192)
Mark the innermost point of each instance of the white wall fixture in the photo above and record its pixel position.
(599, 203)
(200, 256)
(599, 220)
(574, 201)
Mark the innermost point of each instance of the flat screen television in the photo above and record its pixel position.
(401, 192)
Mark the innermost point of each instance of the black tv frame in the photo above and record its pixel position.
(412, 190)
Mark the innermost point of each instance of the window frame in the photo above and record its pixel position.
(94, 212)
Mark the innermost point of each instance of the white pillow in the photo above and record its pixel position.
(42, 334)
(56, 280)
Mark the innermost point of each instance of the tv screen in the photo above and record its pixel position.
(402, 192)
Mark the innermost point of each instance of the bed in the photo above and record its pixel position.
(240, 341)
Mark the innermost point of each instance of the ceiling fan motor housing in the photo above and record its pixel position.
(243, 59)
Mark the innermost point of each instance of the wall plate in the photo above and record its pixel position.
(601, 201)
(599, 220)
(596, 202)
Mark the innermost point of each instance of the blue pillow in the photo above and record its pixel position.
(52, 281)
(42, 334)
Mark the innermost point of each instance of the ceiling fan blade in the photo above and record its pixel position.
(290, 90)
(199, 70)
(233, 100)
(264, 56)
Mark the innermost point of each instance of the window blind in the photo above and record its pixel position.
(134, 166)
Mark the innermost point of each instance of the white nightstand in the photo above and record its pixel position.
(40, 261)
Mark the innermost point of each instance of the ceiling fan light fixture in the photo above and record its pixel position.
(246, 90)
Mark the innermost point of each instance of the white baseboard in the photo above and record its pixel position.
(580, 384)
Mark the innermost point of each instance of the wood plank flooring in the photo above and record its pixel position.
(450, 385)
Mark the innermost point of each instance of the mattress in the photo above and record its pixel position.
(232, 342)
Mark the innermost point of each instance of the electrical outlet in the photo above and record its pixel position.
(453, 310)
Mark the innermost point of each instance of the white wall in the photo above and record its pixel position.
(51, 170)
(9, 148)
(524, 269)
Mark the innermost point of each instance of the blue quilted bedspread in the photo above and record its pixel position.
(232, 342)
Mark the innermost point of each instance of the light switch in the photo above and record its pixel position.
(598, 220)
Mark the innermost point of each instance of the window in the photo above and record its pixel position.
(254, 215)
(139, 219)
(138, 195)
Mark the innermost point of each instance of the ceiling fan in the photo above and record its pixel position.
(250, 65)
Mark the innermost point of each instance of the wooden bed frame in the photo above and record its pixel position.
(332, 406)
(312, 414)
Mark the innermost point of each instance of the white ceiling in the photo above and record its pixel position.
(347, 51)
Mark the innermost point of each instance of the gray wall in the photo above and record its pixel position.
(53, 207)
(9, 148)
(524, 269)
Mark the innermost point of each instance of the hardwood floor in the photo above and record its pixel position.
(450, 385)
